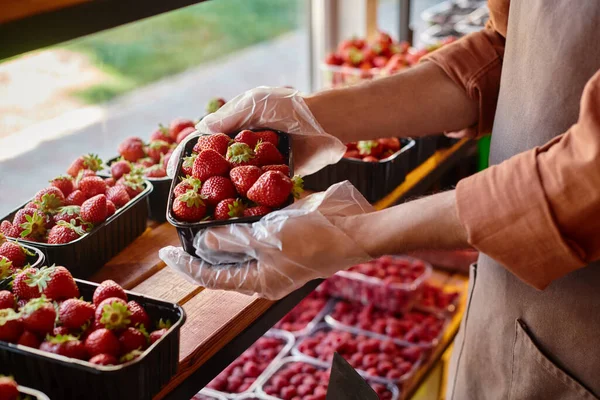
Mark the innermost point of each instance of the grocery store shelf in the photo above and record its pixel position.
(30, 25)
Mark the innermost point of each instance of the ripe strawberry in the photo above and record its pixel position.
(113, 313)
(256, 211)
(8, 388)
(132, 339)
(370, 159)
(143, 163)
(229, 208)
(244, 177)
(138, 315)
(7, 229)
(132, 149)
(94, 210)
(110, 182)
(102, 341)
(268, 136)
(267, 154)
(29, 339)
(162, 133)
(189, 207)
(84, 173)
(184, 134)
(240, 154)
(103, 359)
(6, 270)
(369, 148)
(89, 161)
(56, 283)
(108, 289)
(155, 171)
(49, 199)
(63, 183)
(284, 169)
(273, 189)
(134, 184)
(209, 163)
(65, 345)
(333, 59)
(64, 232)
(189, 183)
(214, 105)
(217, 188)
(76, 198)
(23, 287)
(217, 142)
(352, 154)
(179, 124)
(392, 144)
(74, 313)
(120, 168)
(118, 196)
(188, 164)
(157, 334)
(111, 209)
(7, 300)
(10, 325)
(67, 214)
(32, 224)
(15, 253)
(38, 316)
(248, 137)
(156, 149)
(92, 186)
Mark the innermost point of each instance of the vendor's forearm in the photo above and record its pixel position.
(421, 101)
(428, 223)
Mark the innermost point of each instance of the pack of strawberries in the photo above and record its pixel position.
(43, 310)
(223, 177)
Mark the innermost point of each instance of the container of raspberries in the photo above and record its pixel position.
(411, 328)
(82, 219)
(300, 377)
(370, 355)
(374, 167)
(393, 283)
(10, 390)
(76, 339)
(243, 375)
(236, 178)
(306, 315)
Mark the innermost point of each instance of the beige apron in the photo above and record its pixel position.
(517, 342)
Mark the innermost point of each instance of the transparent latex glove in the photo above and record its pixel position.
(279, 253)
(282, 109)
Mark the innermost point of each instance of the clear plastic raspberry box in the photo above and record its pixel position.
(289, 342)
(391, 389)
(418, 354)
(381, 292)
(325, 309)
(403, 339)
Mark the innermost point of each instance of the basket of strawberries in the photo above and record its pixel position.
(105, 342)
(236, 178)
(82, 219)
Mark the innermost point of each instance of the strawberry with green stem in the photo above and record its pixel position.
(240, 154)
(132, 149)
(55, 283)
(189, 207)
(65, 232)
(215, 104)
(23, 286)
(244, 177)
(50, 199)
(188, 164)
(120, 168)
(268, 136)
(113, 314)
(187, 183)
(67, 214)
(108, 289)
(64, 183)
(209, 163)
(92, 186)
(138, 316)
(94, 210)
(229, 208)
(35, 226)
(11, 325)
(162, 133)
(102, 341)
(179, 124)
(6, 268)
(266, 153)
(38, 316)
(75, 313)
(217, 142)
(118, 196)
(65, 345)
(156, 149)
(132, 339)
(273, 189)
(133, 183)
(89, 161)
(369, 148)
(14, 252)
(247, 136)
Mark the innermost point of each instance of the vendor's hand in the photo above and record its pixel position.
(279, 253)
(280, 109)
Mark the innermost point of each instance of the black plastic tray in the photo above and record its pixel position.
(157, 200)
(90, 252)
(188, 230)
(374, 180)
(66, 378)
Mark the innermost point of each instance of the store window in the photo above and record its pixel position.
(89, 94)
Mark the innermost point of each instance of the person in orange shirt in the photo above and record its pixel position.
(531, 77)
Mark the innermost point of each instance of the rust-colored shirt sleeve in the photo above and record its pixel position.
(549, 193)
(475, 63)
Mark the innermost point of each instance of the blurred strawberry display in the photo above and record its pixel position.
(373, 150)
(357, 59)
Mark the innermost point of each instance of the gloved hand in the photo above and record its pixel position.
(279, 253)
(275, 108)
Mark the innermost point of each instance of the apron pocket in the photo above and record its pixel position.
(535, 376)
